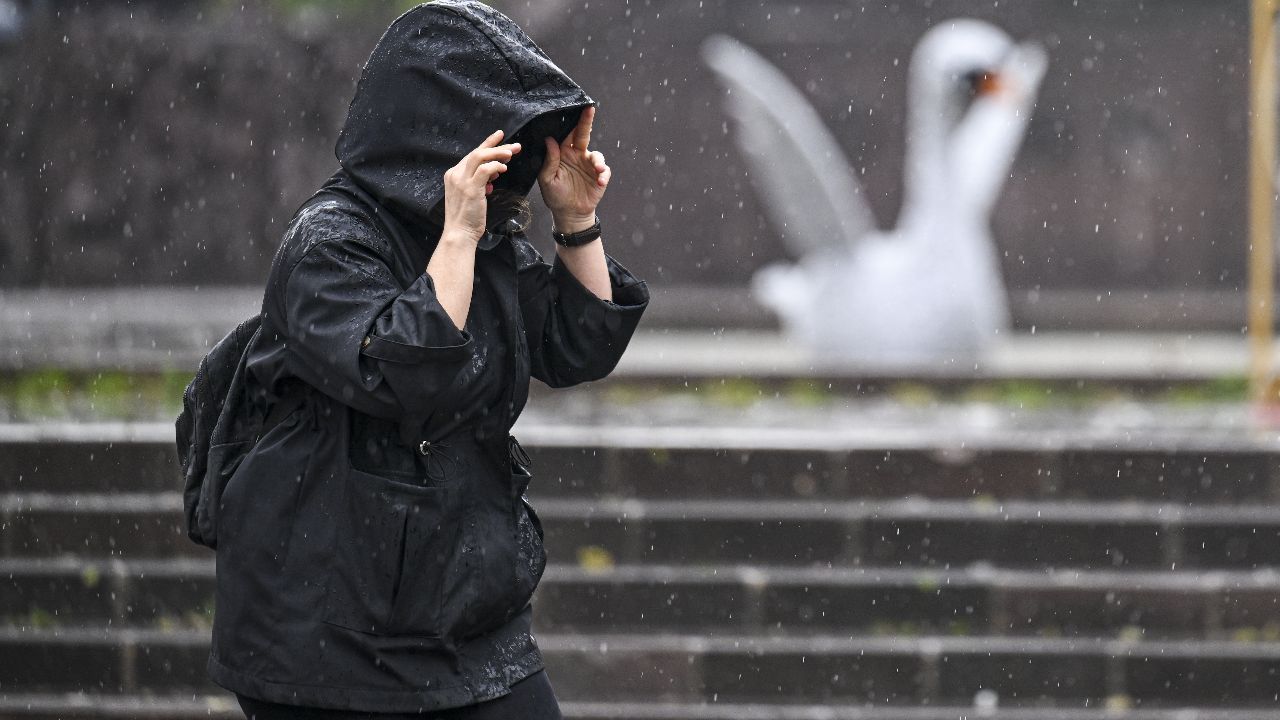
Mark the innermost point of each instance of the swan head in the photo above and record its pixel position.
(956, 61)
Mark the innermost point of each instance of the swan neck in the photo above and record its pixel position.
(924, 163)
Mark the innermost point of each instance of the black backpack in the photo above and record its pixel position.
(218, 426)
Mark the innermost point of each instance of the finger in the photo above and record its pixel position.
(492, 141)
(501, 152)
(552, 161)
(581, 135)
(480, 155)
(603, 178)
(597, 160)
(483, 154)
(488, 188)
(490, 170)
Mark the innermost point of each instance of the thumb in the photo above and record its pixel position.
(552, 161)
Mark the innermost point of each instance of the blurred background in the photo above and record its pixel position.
(167, 143)
(1080, 522)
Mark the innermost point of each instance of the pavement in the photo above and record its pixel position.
(697, 420)
(151, 329)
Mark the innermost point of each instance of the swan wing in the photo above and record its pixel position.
(809, 189)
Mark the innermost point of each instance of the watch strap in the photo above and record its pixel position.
(582, 237)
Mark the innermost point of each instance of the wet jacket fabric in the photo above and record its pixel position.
(376, 551)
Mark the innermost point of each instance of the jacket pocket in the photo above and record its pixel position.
(394, 543)
(224, 460)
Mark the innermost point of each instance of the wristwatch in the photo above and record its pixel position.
(581, 237)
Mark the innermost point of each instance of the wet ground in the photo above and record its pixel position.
(620, 416)
(890, 422)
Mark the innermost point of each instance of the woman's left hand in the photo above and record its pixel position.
(573, 178)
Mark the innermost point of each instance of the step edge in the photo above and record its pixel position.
(721, 437)
(817, 645)
(746, 575)
(1048, 511)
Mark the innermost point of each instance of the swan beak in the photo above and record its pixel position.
(985, 83)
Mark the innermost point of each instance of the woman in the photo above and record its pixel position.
(375, 553)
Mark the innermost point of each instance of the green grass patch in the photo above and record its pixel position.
(44, 394)
(54, 394)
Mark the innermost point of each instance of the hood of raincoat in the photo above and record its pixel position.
(444, 76)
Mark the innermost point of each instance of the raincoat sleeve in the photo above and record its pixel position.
(573, 335)
(359, 336)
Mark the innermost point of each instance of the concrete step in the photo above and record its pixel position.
(937, 471)
(86, 705)
(897, 670)
(901, 671)
(981, 601)
(909, 532)
(919, 532)
(712, 463)
(49, 592)
(38, 706)
(67, 464)
(755, 599)
(765, 711)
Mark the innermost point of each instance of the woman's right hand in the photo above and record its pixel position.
(467, 183)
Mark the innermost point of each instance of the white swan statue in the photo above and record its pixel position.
(930, 290)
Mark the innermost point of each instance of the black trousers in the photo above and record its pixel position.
(529, 699)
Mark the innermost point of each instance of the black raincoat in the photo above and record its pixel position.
(375, 550)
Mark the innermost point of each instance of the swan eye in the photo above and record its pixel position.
(982, 82)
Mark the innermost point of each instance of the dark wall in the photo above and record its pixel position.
(171, 150)
(1132, 174)
(165, 149)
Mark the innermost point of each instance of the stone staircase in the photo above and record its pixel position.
(926, 581)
